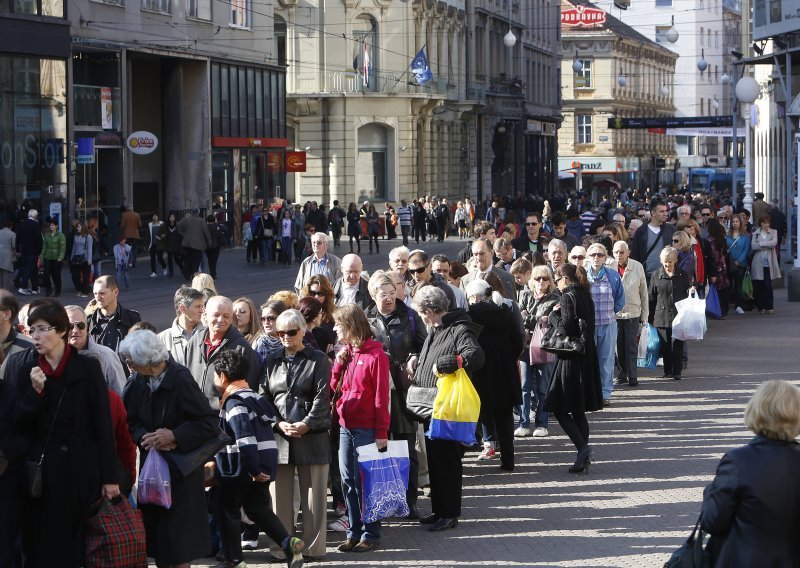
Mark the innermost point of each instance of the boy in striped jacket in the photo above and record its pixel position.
(245, 468)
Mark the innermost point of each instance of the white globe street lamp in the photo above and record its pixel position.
(577, 66)
(664, 90)
(510, 40)
(672, 33)
(747, 91)
(702, 64)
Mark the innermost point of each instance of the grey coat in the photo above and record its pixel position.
(300, 393)
(194, 233)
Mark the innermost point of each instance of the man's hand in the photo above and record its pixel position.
(382, 444)
(162, 440)
(261, 478)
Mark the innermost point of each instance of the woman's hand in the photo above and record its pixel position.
(261, 478)
(290, 429)
(343, 356)
(381, 444)
(110, 491)
(300, 428)
(38, 379)
(411, 366)
(162, 440)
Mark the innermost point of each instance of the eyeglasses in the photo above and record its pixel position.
(531, 224)
(541, 278)
(419, 270)
(316, 293)
(642, 216)
(559, 279)
(268, 318)
(578, 257)
(597, 255)
(289, 332)
(706, 214)
(676, 241)
(79, 325)
(40, 330)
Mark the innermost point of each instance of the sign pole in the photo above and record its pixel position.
(794, 272)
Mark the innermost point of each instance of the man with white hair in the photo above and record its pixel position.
(205, 347)
(29, 246)
(351, 288)
(80, 340)
(577, 256)
(632, 316)
(556, 254)
(319, 262)
(398, 260)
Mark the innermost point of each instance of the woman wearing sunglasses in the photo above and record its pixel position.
(296, 382)
(319, 287)
(267, 342)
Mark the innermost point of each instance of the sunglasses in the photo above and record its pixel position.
(541, 278)
(268, 318)
(676, 241)
(289, 332)
(316, 293)
(578, 257)
(706, 214)
(531, 224)
(79, 325)
(419, 270)
(596, 255)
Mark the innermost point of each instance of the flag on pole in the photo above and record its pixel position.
(420, 68)
(367, 67)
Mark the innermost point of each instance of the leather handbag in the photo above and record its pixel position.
(183, 464)
(691, 554)
(419, 402)
(562, 344)
(33, 468)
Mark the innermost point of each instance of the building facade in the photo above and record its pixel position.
(609, 70)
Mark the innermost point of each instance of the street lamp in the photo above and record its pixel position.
(672, 33)
(725, 77)
(715, 103)
(747, 91)
(621, 80)
(664, 89)
(577, 66)
(510, 40)
(702, 64)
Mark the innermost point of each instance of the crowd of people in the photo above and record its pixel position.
(342, 360)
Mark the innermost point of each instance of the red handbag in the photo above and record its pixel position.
(115, 536)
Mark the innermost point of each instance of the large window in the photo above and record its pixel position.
(279, 29)
(584, 78)
(583, 128)
(161, 6)
(248, 102)
(365, 53)
(663, 3)
(200, 9)
(241, 13)
(53, 8)
(371, 166)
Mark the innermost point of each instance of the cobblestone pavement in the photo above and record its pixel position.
(656, 447)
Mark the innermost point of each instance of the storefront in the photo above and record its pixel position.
(594, 173)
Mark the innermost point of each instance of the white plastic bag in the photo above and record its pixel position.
(690, 323)
(643, 335)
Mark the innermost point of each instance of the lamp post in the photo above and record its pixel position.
(747, 90)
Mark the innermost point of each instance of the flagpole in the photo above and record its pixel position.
(409, 67)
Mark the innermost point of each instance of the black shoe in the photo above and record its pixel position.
(429, 520)
(347, 545)
(444, 524)
(582, 461)
(676, 377)
(633, 382)
(413, 513)
(685, 364)
(366, 546)
(621, 381)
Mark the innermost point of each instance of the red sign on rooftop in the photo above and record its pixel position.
(583, 16)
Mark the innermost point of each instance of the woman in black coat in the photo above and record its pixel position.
(575, 388)
(59, 390)
(451, 344)
(354, 226)
(168, 412)
(498, 381)
(668, 284)
(173, 242)
(751, 508)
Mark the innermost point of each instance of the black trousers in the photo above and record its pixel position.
(762, 292)
(212, 255)
(156, 254)
(413, 470)
(177, 258)
(134, 244)
(52, 271)
(337, 235)
(420, 232)
(80, 277)
(627, 348)
(498, 425)
(191, 262)
(671, 351)
(232, 496)
(737, 275)
(445, 471)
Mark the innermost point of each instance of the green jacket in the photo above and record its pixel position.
(54, 247)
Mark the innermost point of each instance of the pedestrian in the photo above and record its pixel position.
(122, 258)
(80, 260)
(404, 216)
(156, 247)
(719, 249)
(244, 312)
(110, 322)
(668, 285)
(212, 252)
(632, 316)
(172, 244)
(738, 241)
(336, 218)
(373, 228)
(296, 382)
(245, 471)
(267, 341)
(389, 215)
(764, 267)
(460, 219)
(29, 245)
(8, 246)
(646, 245)
(54, 249)
(575, 388)
(287, 237)
(351, 288)
(750, 509)
(267, 227)
(129, 226)
(79, 339)
(195, 239)
(189, 305)
(319, 262)
(360, 379)
(167, 412)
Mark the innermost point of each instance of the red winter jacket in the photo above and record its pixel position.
(126, 449)
(364, 401)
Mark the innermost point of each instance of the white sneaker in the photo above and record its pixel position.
(153, 275)
(23, 292)
(522, 432)
(339, 525)
(165, 272)
(740, 311)
(487, 453)
(540, 432)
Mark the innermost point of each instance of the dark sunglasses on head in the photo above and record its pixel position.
(79, 325)
(419, 270)
(289, 332)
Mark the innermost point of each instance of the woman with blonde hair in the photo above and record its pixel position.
(616, 231)
(288, 297)
(244, 310)
(751, 508)
(201, 281)
(683, 244)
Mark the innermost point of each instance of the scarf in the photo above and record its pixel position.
(59, 369)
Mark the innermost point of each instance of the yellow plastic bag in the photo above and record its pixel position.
(455, 409)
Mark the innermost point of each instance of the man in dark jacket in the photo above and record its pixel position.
(110, 322)
(650, 240)
(29, 245)
(419, 266)
(442, 219)
(195, 240)
(206, 345)
(351, 288)
(535, 240)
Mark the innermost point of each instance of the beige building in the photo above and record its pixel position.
(621, 74)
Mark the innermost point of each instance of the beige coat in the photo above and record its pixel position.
(636, 298)
(764, 245)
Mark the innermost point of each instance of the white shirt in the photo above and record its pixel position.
(348, 294)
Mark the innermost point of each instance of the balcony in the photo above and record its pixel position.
(381, 83)
(502, 85)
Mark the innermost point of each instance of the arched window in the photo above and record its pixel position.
(371, 162)
(365, 52)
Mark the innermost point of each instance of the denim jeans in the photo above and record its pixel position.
(349, 440)
(535, 384)
(266, 250)
(286, 249)
(605, 336)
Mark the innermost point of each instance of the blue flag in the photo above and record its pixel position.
(420, 68)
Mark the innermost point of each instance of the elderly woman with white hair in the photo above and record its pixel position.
(452, 343)
(608, 296)
(577, 256)
(498, 380)
(168, 412)
(296, 382)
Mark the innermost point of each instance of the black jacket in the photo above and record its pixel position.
(29, 237)
(363, 298)
(664, 292)
(111, 331)
(751, 509)
(522, 243)
(639, 242)
(458, 335)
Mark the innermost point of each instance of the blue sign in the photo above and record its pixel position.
(85, 151)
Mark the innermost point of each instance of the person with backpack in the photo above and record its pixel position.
(245, 468)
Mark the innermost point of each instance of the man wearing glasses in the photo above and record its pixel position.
(351, 288)
(319, 262)
(419, 266)
(535, 240)
(482, 253)
(705, 214)
(79, 339)
(649, 241)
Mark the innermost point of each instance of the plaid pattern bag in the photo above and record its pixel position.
(115, 536)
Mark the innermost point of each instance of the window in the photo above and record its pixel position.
(200, 9)
(241, 14)
(584, 78)
(371, 163)
(663, 3)
(365, 61)
(583, 128)
(247, 101)
(53, 8)
(161, 6)
(279, 30)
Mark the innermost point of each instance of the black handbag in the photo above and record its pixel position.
(33, 468)
(562, 344)
(691, 553)
(184, 463)
(419, 402)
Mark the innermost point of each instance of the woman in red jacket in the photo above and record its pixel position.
(360, 383)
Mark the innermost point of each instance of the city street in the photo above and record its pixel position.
(656, 447)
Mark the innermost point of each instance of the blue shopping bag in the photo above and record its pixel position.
(384, 480)
(653, 347)
(713, 307)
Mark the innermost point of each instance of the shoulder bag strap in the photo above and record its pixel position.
(654, 245)
(52, 425)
